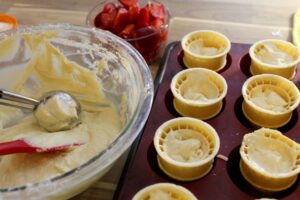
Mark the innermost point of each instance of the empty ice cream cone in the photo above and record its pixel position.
(274, 56)
(198, 93)
(164, 191)
(205, 49)
(186, 148)
(269, 100)
(269, 160)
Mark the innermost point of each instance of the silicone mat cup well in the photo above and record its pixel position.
(186, 148)
(224, 181)
(275, 47)
(164, 191)
(198, 92)
(270, 161)
(205, 38)
(269, 100)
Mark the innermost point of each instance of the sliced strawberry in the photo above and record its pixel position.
(109, 7)
(143, 31)
(120, 20)
(107, 19)
(157, 10)
(133, 12)
(144, 17)
(127, 32)
(97, 20)
(157, 23)
(99, 24)
(148, 43)
(128, 3)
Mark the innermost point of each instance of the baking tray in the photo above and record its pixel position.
(224, 181)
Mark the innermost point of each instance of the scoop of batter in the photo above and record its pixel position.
(59, 111)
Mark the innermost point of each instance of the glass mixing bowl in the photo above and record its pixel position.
(86, 46)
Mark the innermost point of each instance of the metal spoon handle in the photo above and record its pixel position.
(12, 99)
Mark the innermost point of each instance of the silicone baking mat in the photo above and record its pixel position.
(224, 181)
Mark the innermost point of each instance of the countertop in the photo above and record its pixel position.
(243, 21)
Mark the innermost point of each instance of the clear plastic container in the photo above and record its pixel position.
(85, 46)
(151, 44)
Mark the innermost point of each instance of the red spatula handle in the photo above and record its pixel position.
(16, 146)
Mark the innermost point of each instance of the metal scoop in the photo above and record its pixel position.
(25, 145)
(20, 101)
